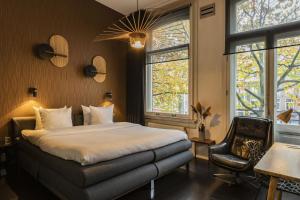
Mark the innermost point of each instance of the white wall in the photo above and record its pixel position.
(209, 68)
(211, 64)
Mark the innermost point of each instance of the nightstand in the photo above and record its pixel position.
(198, 141)
(6, 192)
(4, 148)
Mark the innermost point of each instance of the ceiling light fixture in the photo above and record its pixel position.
(133, 27)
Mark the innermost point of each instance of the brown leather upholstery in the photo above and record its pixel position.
(243, 127)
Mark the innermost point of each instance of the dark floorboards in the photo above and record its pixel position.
(179, 185)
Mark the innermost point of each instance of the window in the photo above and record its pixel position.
(257, 14)
(260, 31)
(168, 68)
(250, 80)
(288, 77)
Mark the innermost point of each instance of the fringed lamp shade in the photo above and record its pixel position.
(133, 27)
(285, 116)
(137, 40)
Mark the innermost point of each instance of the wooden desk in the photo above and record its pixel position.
(197, 141)
(281, 161)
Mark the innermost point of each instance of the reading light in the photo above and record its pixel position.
(137, 40)
(33, 91)
(285, 116)
(108, 96)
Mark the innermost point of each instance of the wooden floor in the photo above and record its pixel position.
(180, 185)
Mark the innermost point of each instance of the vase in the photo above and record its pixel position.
(202, 132)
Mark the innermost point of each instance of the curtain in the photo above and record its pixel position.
(135, 85)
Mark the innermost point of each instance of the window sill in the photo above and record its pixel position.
(175, 121)
(288, 129)
(289, 138)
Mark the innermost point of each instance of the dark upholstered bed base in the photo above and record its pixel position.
(110, 188)
(105, 180)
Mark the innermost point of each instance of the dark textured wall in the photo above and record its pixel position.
(25, 23)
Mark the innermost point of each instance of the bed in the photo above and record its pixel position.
(101, 177)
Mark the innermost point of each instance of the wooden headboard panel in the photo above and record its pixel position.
(22, 123)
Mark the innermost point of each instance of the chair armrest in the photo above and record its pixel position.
(221, 148)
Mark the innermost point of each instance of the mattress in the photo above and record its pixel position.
(96, 143)
(84, 176)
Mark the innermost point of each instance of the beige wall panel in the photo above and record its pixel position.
(27, 23)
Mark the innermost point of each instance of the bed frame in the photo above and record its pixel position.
(131, 172)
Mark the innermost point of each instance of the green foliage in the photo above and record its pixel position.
(169, 84)
(250, 67)
(255, 14)
(170, 71)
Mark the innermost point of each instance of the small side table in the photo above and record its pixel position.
(4, 148)
(198, 141)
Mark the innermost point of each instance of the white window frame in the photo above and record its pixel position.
(284, 128)
(270, 89)
(232, 78)
(270, 35)
(148, 95)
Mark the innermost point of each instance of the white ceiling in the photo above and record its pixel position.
(127, 6)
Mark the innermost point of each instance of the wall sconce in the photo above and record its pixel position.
(33, 91)
(91, 71)
(108, 96)
(97, 70)
(57, 51)
(45, 51)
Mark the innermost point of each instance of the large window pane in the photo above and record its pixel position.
(167, 82)
(170, 87)
(170, 35)
(288, 79)
(250, 81)
(256, 14)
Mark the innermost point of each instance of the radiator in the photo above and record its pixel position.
(165, 126)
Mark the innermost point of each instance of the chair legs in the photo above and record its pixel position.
(187, 167)
(237, 178)
(152, 190)
(230, 179)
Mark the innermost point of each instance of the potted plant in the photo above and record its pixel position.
(201, 115)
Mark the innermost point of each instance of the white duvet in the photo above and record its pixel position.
(91, 144)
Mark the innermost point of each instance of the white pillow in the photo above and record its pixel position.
(102, 115)
(86, 115)
(38, 120)
(58, 118)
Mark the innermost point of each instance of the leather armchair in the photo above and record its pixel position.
(253, 134)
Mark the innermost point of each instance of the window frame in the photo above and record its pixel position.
(284, 128)
(268, 33)
(234, 70)
(148, 95)
(270, 36)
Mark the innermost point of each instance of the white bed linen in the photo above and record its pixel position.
(95, 143)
